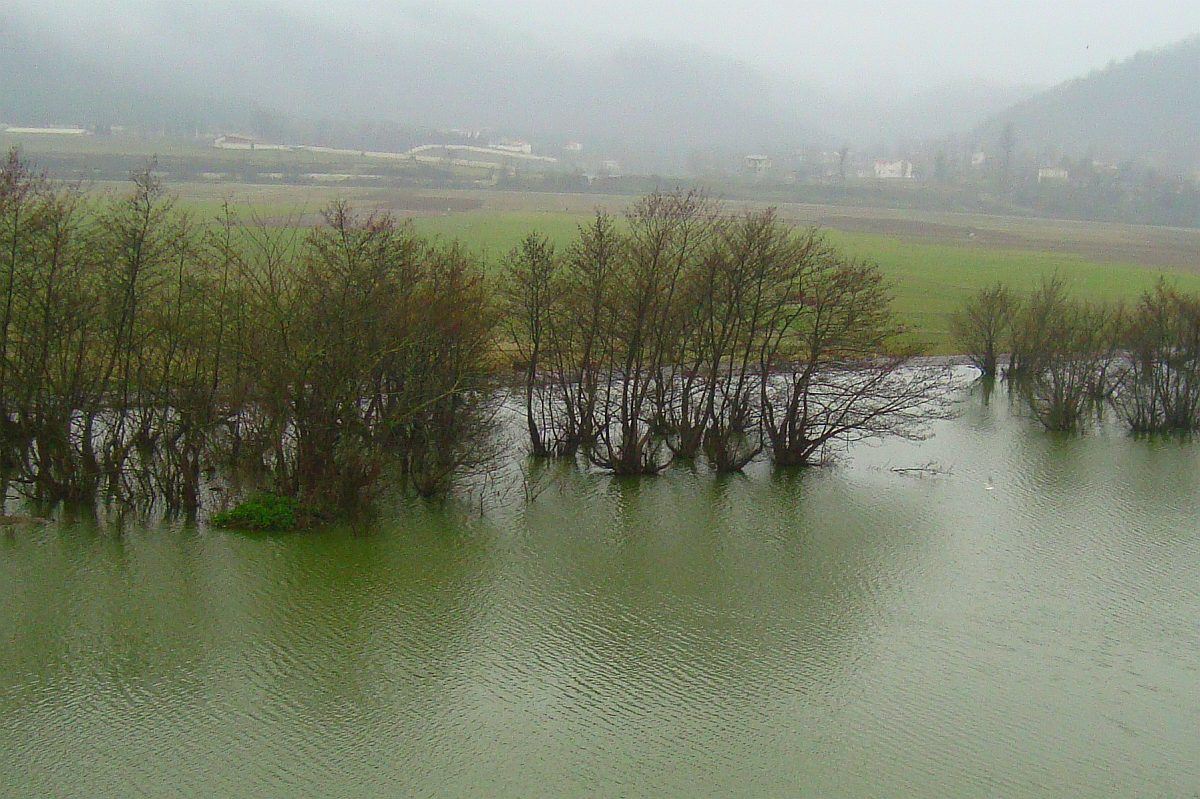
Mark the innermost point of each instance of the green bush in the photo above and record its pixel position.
(266, 512)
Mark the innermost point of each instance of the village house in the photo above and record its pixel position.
(51, 131)
(893, 170)
(1053, 174)
(757, 164)
(512, 146)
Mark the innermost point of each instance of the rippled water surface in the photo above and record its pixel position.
(1026, 625)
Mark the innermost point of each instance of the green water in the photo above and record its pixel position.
(851, 632)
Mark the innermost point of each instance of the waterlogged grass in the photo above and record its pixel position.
(931, 280)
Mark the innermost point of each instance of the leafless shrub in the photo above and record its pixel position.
(984, 326)
(839, 368)
(1160, 391)
(1069, 353)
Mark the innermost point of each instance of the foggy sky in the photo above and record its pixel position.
(847, 46)
(655, 82)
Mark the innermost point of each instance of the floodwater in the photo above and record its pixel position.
(1022, 622)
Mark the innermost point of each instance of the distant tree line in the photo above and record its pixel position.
(1072, 359)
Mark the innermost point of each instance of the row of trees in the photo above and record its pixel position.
(683, 331)
(140, 354)
(1072, 357)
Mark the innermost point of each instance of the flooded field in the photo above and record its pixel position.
(1021, 620)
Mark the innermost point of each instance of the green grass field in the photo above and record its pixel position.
(930, 280)
(932, 264)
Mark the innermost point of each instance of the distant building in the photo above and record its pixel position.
(978, 159)
(573, 147)
(53, 131)
(757, 164)
(234, 142)
(893, 170)
(610, 168)
(512, 146)
(1053, 174)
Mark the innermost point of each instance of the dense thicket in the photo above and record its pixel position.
(687, 331)
(1070, 358)
(1161, 390)
(140, 355)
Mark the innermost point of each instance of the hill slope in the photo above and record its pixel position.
(229, 65)
(43, 81)
(1147, 107)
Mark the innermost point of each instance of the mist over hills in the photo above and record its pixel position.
(259, 67)
(247, 66)
(46, 80)
(1146, 107)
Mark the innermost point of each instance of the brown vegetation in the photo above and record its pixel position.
(1070, 358)
(695, 332)
(139, 354)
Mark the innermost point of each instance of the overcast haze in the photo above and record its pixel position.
(851, 44)
(651, 81)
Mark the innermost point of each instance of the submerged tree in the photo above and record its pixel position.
(1160, 391)
(697, 333)
(640, 333)
(837, 367)
(140, 353)
(373, 351)
(1068, 351)
(530, 300)
(52, 335)
(983, 327)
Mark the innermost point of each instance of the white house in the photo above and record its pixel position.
(757, 164)
(893, 170)
(1053, 174)
(512, 146)
(234, 142)
(573, 147)
(56, 131)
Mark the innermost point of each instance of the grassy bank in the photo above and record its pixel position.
(934, 261)
(931, 280)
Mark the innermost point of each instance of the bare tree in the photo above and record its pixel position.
(529, 297)
(836, 367)
(751, 288)
(984, 327)
(1160, 391)
(666, 233)
(1067, 352)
